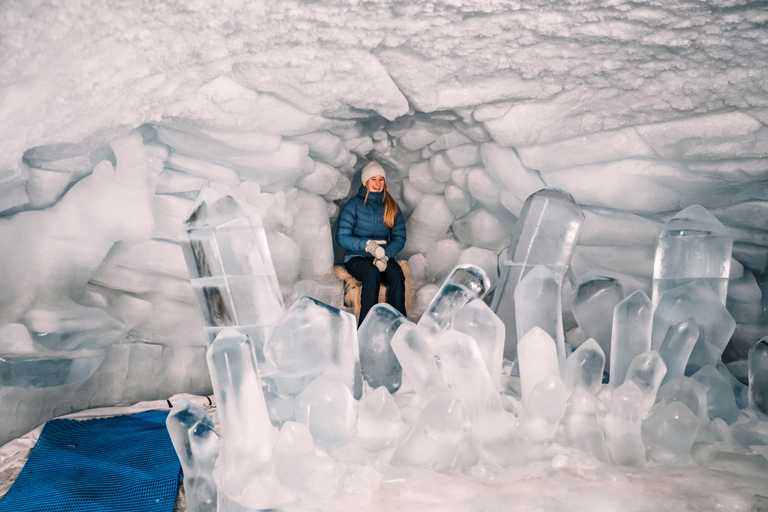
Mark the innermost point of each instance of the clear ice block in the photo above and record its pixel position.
(476, 319)
(669, 432)
(537, 359)
(631, 334)
(581, 424)
(677, 346)
(545, 408)
(647, 371)
(294, 456)
(758, 377)
(695, 300)
(418, 362)
(584, 367)
(537, 304)
(197, 446)
(692, 245)
(326, 406)
(546, 234)
(592, 304)
(378, 362)
(378, 420)
(246, 432)
(230, 267)
(622, 426)
(464, 284)
(720, 400)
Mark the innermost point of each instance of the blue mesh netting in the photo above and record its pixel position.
(123, 463)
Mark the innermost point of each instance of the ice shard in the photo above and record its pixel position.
(327, 408)
(537, 304)
(647, 371)
(695, 300)
(692, 245)
(378, 420)
(581, 424)
(546, 234)
(246, 432)
(584, 367)
(689, 392)
(669, 433)
(622, 426)
(758, 377)
(197, 446)
(546, 405)
(720, 400)
(229, 264)
(378, 362)
(677, 346)
(631, 334)
(294, 456)
(418, 362)
(537, 358)
(464, 284)
(593, 304)
(312, 339)
(476, 319)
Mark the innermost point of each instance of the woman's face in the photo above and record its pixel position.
(375, 184)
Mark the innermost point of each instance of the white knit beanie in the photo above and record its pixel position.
(372, 169)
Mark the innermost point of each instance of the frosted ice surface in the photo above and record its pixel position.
(593, 304)
(677, 346)
(327, 407)
(758, 377)
(464, 284)
(647, 371)
(669, 433)
(294, 456)
(312, 233)
(622, 426)
(545, 408)
(378, 362)
(434, 439)
(689, 392)
(441, 259)
(480, 228)
(546, 234)
(695, 300)
(427, 224)
(720, 400)
(197, 445)
(418, 362)
(631, 333)
(313, 338)
(584, 367)
(537, 360)
(478, 321)
(537, 304)
(246, 432)
(378, 420)
(231, 268)
(581, 424)
(692, 245)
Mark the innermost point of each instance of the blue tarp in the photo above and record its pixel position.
(123, 463)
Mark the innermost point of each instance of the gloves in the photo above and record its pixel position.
(381, 263)
(373, 247)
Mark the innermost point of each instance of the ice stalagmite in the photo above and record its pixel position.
(593, 305)
(581, 424)
(378, 362)
(669, 433)
(477, 320)
(378, 420)
(622, 426)
(720, 400)
(758, 377)
(326, 406)
(197, 445)
(546, 234)
(418, 362)
(537, 357)
(231, 269)
(545, 408)
(464, 284)
(631, 334)
(584, 367)
(692, 245)
(537, 304)
(647, 370)
(677, 346)
(695, 300)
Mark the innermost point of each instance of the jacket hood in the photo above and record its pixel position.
(376, 197)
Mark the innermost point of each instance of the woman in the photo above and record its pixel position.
(372, 232)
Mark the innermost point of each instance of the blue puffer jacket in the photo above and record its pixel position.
(360, 222)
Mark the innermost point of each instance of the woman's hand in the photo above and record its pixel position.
(374, 248)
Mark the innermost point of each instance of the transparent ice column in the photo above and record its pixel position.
(631, 335)
(546, 234)
(538, 361)
(418, 362)
(677, 346)
(593, 305)
(464, 284)
(477, 320)
(584, 367)
(537, 304)
(231, 269)
(378, 362)
(758, 377)
(692, 245)
(197, 445)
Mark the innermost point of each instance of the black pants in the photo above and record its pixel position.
(366, 272)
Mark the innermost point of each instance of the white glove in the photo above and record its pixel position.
(373, 247)
(381, 263)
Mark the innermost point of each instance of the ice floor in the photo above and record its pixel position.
(562, 480)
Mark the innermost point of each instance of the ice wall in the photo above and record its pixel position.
(639, 116)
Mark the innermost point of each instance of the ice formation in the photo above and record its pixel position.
(116, 115)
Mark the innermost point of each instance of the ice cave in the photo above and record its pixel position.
(585, 192)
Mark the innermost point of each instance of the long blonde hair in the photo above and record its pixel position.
(390, 205)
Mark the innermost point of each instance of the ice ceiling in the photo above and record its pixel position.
(637, 108)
